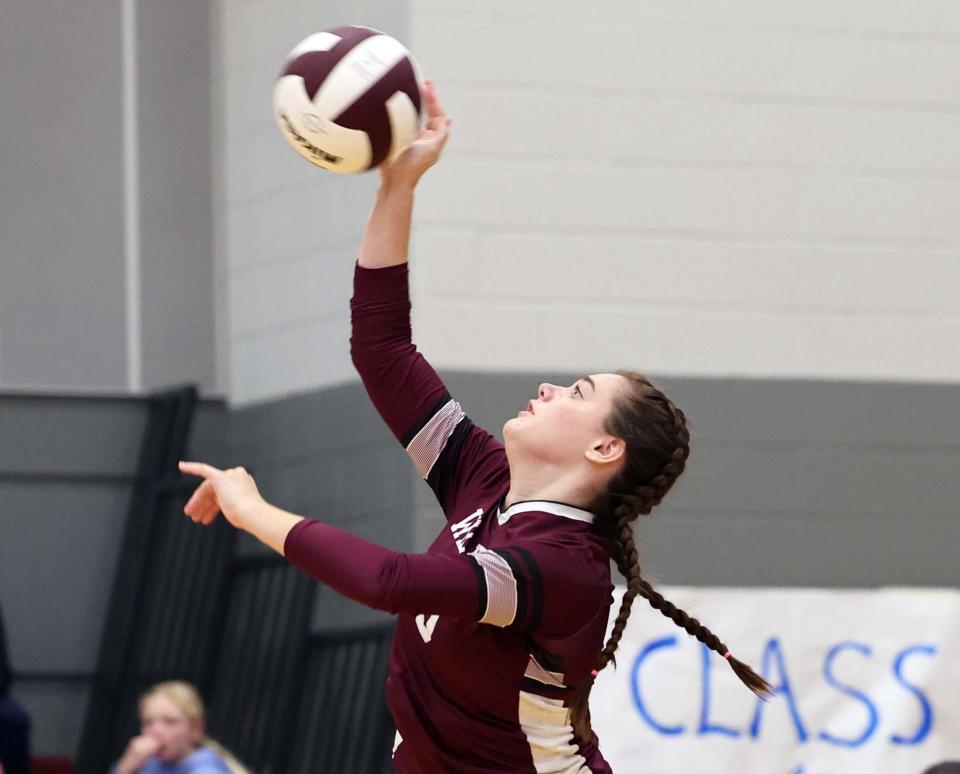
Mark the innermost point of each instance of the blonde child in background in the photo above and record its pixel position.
(172, 737)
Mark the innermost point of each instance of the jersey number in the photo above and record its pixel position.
(426, 626)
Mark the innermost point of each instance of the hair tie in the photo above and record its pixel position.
(594, 672)
(728, 655)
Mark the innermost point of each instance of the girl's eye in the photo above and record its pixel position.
(577, 391)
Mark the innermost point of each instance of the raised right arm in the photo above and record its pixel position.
(387, 237)
(402, 385)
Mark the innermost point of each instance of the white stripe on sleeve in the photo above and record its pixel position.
(501, 588)
(426, 445)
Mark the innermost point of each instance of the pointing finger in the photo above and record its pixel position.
(200, 469)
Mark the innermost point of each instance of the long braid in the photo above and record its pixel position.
(630, 569)
(616, 522)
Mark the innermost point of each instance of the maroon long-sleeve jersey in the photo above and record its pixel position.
(504, 615)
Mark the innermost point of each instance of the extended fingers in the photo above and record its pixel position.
(204, 504)
(437, 126)
(205, 513)
(201, 500)
(200, 469)
(434, 108)
(207, 517)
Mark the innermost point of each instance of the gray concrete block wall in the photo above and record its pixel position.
(62, 308)
(178, 300)
(678, 181)
(91, 298)
(713, 190)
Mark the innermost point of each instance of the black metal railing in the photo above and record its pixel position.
(185, 606)
(341, 718)
(170, 579)
(260, 661)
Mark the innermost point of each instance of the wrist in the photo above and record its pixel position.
(268, 524)
(246, 511)
(398, 185)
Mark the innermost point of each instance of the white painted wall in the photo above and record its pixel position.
(747, 188)
(743, 188)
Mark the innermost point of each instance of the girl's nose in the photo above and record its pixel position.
(546, 391)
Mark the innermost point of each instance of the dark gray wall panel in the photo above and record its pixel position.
(62, 307)
(176, 243)
(55, 712)
(428, 517)
(56, 567)
(856, 551)
(334, 612)
(790, 483)
(795, 412)
(208, 436)
(102, 436)
(306, 425)
(816, 413)
(327, 455)
(840, 480)
(343, 485)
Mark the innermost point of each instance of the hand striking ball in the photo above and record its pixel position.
(348, 98)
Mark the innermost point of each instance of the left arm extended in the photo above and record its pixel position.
(530, 587)
(368, 573)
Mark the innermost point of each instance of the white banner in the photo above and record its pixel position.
(866, 682)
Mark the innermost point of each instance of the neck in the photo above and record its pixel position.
(541, 482)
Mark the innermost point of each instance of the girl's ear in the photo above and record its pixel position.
(606, 450)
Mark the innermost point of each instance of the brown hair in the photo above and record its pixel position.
(658, 444)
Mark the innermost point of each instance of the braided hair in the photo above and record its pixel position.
(658, 444)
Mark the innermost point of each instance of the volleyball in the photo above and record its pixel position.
(348, 98)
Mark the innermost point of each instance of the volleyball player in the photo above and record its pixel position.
(500, 624)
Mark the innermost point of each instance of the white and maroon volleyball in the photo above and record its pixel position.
(348, 98)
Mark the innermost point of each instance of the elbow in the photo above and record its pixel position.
(361, 356)
(373, 359)
(386, 592)
(356, 356)
(368, 366)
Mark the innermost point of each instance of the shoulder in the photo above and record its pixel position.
(563, 561)
(205, 761)
(567, 544)
(565, 585)
(152, 766)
